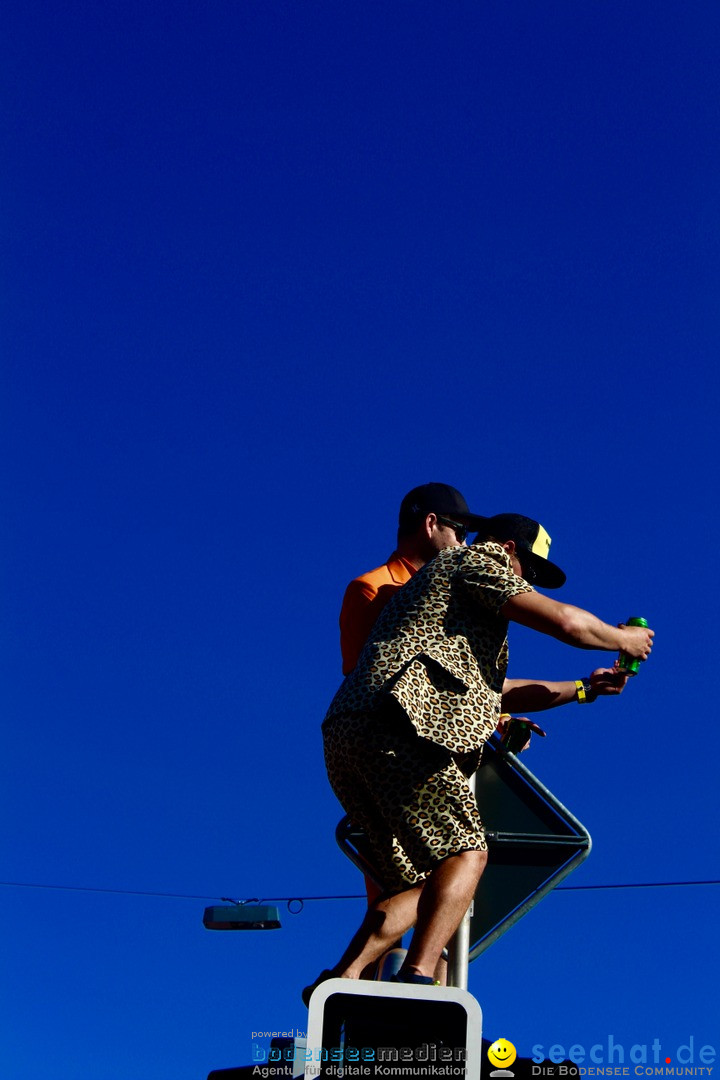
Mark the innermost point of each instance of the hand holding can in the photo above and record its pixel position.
(627, 662)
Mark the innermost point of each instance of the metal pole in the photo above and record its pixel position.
(459, 947)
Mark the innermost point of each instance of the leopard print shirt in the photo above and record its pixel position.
(440, 648)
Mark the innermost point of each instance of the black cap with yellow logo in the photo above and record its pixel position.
(532, 543)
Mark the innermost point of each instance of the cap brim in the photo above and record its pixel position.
(474, 522)
(547, 574)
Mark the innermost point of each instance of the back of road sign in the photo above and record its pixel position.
(533, 841)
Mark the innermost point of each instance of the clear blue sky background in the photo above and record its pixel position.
(266, 266)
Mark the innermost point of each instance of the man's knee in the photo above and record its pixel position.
(475, 861)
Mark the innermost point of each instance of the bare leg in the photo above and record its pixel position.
(441, 970)
(445, 898)
(438, 906)
(385, 921)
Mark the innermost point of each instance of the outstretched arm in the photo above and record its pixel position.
(575, 626)
(534, 695)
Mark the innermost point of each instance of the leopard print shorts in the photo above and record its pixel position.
(409, 795)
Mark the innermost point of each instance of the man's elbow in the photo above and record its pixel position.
(570, 623)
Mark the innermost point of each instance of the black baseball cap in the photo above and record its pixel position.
(437, 499)
(532, 542)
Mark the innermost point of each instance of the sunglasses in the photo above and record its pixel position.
(461, 531)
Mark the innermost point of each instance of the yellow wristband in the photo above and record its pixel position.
(580, 688)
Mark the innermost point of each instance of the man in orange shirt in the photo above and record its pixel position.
(432, 517)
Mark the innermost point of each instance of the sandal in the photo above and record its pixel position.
(412, 979)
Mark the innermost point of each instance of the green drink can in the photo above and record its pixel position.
(516, 736)
(626, 663)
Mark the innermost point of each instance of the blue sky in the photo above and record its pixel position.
(266, 266)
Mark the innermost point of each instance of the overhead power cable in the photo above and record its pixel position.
(303, 899)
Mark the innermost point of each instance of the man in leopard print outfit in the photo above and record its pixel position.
(407, 728)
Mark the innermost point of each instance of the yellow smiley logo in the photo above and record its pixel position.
(502, 1053)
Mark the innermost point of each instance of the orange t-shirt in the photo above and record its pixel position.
(364, 599)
